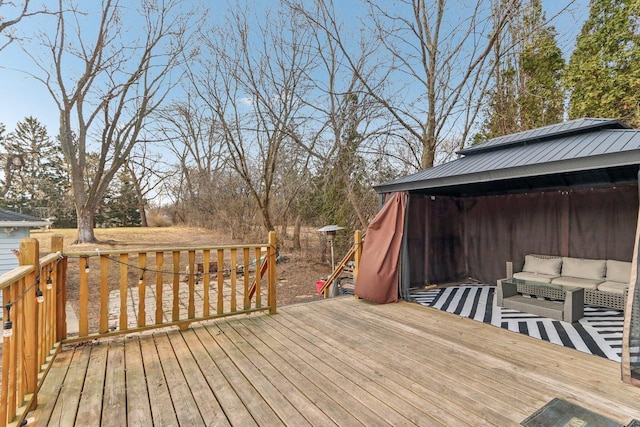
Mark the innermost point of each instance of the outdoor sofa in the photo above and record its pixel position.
(605, 282)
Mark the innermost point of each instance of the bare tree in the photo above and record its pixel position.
(436, 66)
(106, 79)
(253, 80)
(148, 172)
(195, 140)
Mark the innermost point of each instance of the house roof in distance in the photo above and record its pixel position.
(14, 219)
(586, 151)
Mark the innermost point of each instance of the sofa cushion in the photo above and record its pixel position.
(592, 269)
(614, 287)
(618, 271)
(536, 277)
(577, 282)
(548, 266)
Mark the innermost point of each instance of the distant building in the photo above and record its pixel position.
(13, 228)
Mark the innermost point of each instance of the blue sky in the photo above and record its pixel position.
(22, 96)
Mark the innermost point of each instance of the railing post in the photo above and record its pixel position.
(30, 255)
(357, 241)
(271, 275)
(8, 374)
(60, 289)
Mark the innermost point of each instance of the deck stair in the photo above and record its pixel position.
(346, 271)
(346, 280)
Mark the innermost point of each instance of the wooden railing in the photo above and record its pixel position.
(32, 295)
(127, 291)
(119, 292)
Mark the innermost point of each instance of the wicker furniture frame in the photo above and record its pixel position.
(570, 310)
(593, 297)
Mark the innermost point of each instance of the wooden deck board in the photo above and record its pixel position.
(50, 390)
(537, 357)
(204, 398)
(471, 384)
(159, 397)
(288, 366)
(261, 380)
(410, 373)
(236, 413)
(340, 361)
(251, 398)
(178, 385)
(90, 408)
(114, 404)
(590, 381)
(406, 374)
(66, 409)
(138, 408)
(302, 392)
(263, 365)
(354, 400)
(339, 358)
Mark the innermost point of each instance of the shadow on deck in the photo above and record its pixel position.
(338, 361)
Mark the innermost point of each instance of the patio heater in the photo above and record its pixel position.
(330, 232)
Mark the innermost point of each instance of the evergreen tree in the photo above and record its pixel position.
(527, 89)
(541, 65)
(40, 182)
(502, 109)
(603, 76)
(119, 207)
(126, 210)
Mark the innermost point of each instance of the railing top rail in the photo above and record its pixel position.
(10, 277)
(151, 250)
(48, 259)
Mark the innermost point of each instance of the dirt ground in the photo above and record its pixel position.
(297, 272)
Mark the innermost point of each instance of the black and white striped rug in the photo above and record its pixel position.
(599, 332)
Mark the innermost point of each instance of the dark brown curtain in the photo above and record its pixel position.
(488, 235)
(603, 223)
(507, 227)
(435, 240)
(377, 279)
(445, 246)
(451, 238)
(417, 238)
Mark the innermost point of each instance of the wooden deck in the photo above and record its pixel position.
(339, 361)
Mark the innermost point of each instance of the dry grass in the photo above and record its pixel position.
(135, 237)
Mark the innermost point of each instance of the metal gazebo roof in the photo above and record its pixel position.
(578, 152)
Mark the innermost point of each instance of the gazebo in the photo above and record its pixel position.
(569, 189)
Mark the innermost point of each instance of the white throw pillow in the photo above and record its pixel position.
(534, 264)
(618, 271)
(593, 269)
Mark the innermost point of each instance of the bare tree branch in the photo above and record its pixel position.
(18, 11)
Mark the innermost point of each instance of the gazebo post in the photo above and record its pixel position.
(630, 366)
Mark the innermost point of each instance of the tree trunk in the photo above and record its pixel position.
(138, 189)
(429, 142)
(351, 196)
(143, 216)
(85, 225)
(296, 233)
(266, 218)
(428, 156)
